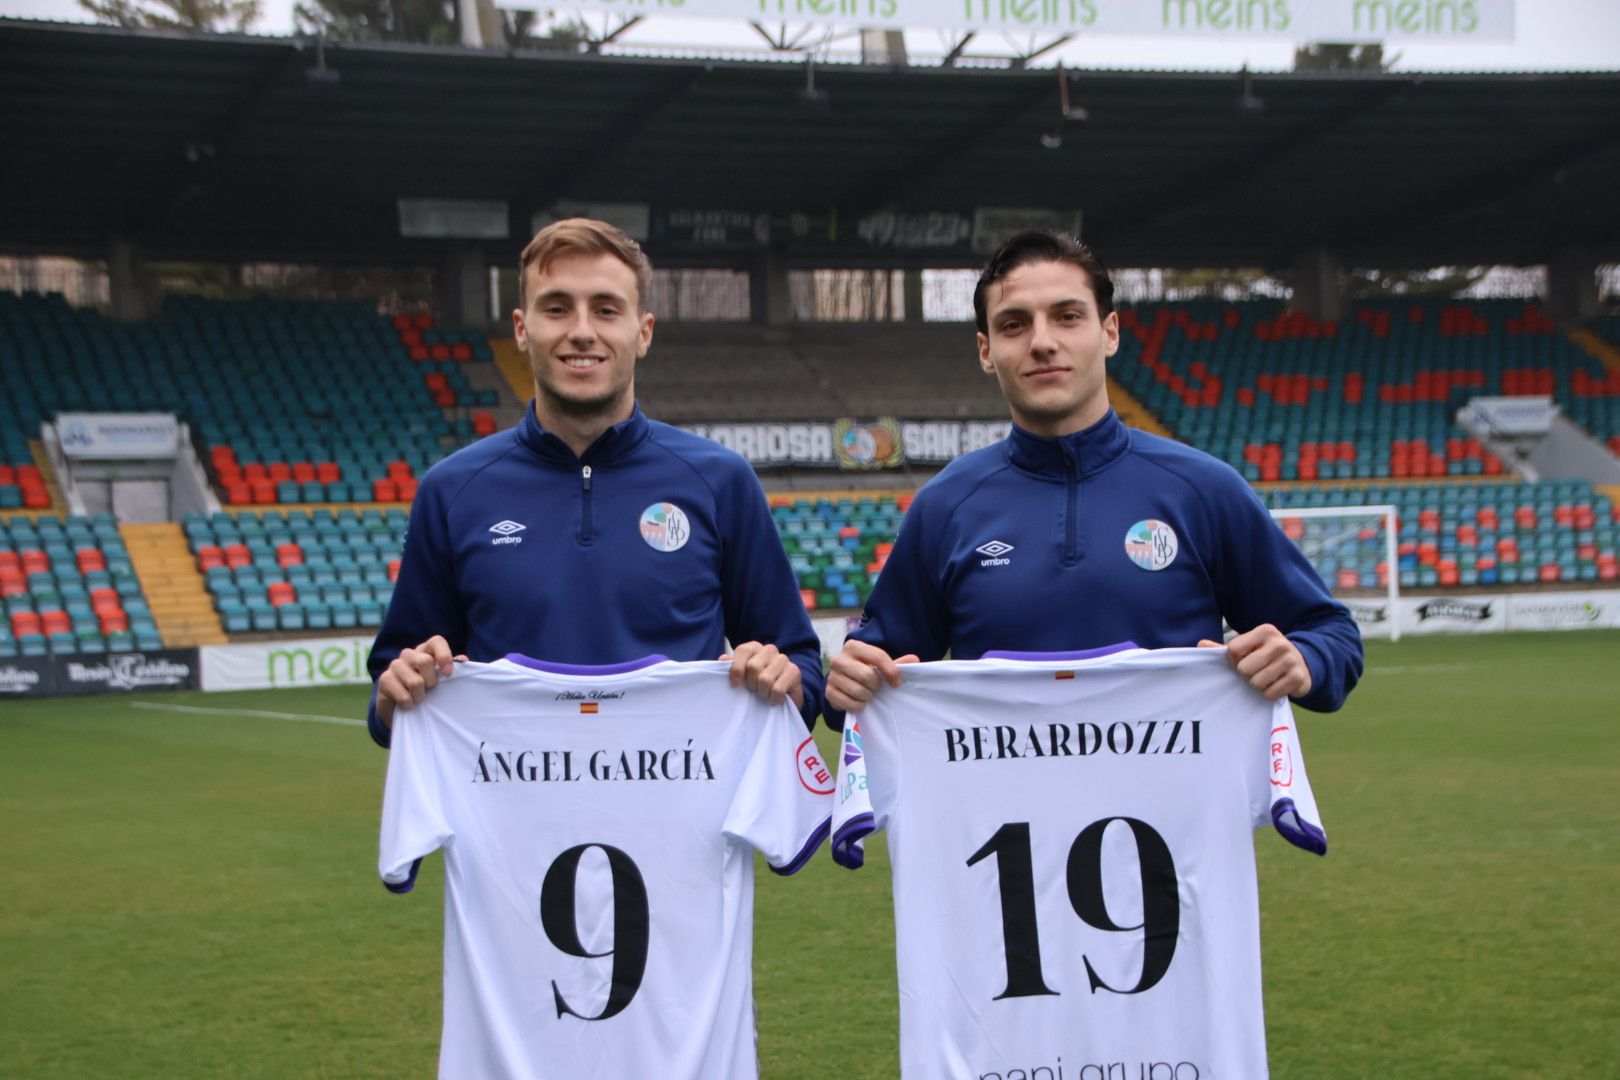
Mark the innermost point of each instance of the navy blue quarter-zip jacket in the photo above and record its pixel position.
(1104, 536)
(656, 541)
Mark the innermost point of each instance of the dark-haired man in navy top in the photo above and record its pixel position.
(1077, 532)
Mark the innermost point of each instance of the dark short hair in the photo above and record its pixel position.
(1037, 246)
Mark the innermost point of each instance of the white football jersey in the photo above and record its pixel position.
(1073, 854)
(598, 828)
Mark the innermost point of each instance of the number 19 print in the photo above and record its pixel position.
(1073, 857)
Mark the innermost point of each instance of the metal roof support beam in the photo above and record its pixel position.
(127, 280)
(1572, 292)
(956, 50)
(1022, 59)
(1319, 287)
(626, 23)
(781, 41)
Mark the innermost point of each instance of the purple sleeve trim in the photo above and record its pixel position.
(1295, 829)
(1081, 654)
(408, 884)
(585, 669)
(797, 862)
(844, 851)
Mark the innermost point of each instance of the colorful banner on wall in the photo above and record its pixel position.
(854, 445)
(118, 436)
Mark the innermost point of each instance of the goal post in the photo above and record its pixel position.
(1353, 549)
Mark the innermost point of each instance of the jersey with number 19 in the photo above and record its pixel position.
(1073, 856)
(598, 826)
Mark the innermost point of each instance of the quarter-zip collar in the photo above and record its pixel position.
(1081, 454)
(611, 445)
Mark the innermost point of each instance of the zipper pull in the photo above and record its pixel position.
(585, 477)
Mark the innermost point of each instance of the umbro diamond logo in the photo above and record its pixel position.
(506, 529)
(994, 553)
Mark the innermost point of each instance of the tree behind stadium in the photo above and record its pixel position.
(212, 16)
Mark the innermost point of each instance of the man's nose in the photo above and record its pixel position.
(1040, 335)
(581, 326)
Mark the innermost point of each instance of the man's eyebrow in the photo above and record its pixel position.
(564, 294)
(1024, 309)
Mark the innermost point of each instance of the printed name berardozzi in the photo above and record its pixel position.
(1003, 741)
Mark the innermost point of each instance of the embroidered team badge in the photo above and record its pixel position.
(664, 526)
(1151, 544)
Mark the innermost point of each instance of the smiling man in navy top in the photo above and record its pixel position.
(1077, 532)
(589, 534)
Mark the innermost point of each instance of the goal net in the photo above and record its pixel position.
(1353, 551)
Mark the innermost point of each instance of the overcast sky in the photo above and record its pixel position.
(1551, 35)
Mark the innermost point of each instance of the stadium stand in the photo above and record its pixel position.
(1361, 411)
(69, 587)
(289, 401)
(1282, 397)
(1461, 534)
(736, 372)
(299, 570)
(837, 545)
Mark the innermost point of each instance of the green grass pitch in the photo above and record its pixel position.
(193, 894)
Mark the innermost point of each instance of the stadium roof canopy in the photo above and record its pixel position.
(265, 148)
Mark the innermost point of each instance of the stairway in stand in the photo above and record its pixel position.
(179, 599)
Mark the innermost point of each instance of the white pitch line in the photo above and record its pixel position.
(348, 721)
(1415, 669)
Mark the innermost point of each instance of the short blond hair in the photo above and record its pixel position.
(584, 236)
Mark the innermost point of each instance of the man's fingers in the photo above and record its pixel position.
(439, 654)
(1278, 680)
(847, 694)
